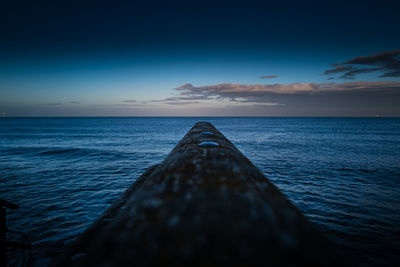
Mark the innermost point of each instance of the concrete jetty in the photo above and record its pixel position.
(206, 204)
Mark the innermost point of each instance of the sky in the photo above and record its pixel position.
(200, 58)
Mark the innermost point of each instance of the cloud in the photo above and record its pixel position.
(268, 77)
(235, 90)
(129, 101)
(351, 74)
(181, 102)
(275, 93)
(74, 102)
(50, 104)
(192, 97)
(388, 58)
(182, 98)
(386, 62)
(338, 69)
(355, 98)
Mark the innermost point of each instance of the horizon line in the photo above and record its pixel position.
(208, 116)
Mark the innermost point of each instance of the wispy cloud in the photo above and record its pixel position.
(181, 102)
(338, 69)
(353, 72)
(181, 99)
(50, 104)
(387, 63)
(268, 77)
(129, 101)
(74, 102)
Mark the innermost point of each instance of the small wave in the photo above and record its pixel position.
(344, 170)
(64, 151)
(75, 152)
(366, 170)
(355, 170)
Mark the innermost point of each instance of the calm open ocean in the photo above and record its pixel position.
(343, 173)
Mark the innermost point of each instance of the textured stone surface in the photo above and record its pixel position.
(203, 205)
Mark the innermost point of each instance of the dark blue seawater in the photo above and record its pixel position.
(343, 173)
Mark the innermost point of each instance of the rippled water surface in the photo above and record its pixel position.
(343, 173)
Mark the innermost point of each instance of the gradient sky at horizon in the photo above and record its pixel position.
(125, 58)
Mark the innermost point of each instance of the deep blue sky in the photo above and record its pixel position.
(126, 57)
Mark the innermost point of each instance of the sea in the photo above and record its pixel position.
(343, 173)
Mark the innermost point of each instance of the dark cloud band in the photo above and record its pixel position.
(388, 63)
(268, 77)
